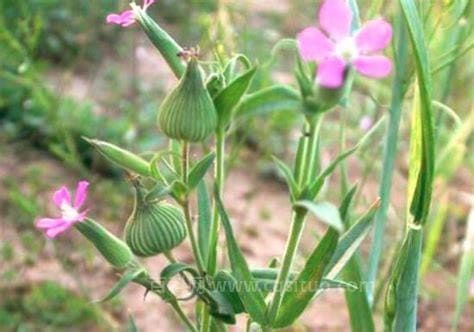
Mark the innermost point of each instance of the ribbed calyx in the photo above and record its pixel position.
(154, 227)
(188, 112)
(114, 250)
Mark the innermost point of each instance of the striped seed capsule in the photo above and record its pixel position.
(188, 112)
(154, 227)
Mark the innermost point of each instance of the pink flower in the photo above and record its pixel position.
(334, 47)
(69, 212)
(126, 17)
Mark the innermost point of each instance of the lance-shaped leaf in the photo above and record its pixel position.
(128, 276)
(230, 96)
(252, 298)
(360, 312)
(121, 157)
(199, 170)
(350, 241)
(324, 211)
(318, 183)
(422, 156)
(276, 98)
(288, 175)
(299, 293)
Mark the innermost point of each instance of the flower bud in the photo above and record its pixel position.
(188, 112)
(121, 157)
(114, 250)
(154, 227)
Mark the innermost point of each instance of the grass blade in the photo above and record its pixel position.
(399, 88)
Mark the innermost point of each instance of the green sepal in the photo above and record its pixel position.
(165, 44)
(114, 250)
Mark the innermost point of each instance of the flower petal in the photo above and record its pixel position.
(373, 66)
(375, 35)
(81, 194)
(61, 195)
(124, 19)
(53, 232)
(49, 222)
(331, 72)
(335, 17)
(314, 45)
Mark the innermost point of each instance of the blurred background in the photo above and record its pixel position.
(64, 74)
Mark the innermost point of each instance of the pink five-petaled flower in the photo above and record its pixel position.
(70, 213)
(127, 17)
(334, 47)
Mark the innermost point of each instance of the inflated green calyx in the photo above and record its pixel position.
(188, 112)
(154, 227)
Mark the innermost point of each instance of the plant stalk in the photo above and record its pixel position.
(187, 209)
(219, 176)
(304, 168)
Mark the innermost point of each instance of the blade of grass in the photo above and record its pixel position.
(399, 88)
(401, 298)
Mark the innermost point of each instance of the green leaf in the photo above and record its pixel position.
(204, 219)
(229, 97)
(350, 241)
(399, 89)
(276, 98)
(422, 142)
(126, 277)
(288, 175)
(252, 299)
(360, 312)
(400, 300)
(131, 326)
(346, 204)
(324, 211)
(225, 283)
(466, 270)
(199, 170)
(299, 293)
(318, 183)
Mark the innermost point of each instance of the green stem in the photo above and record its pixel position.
(219, 177)
(179, 311)
(288, 258)
(187, 209)
(306, 159)
(151, 285)
(219, 182)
